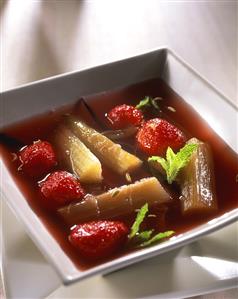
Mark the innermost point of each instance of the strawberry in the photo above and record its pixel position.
(60, 188)
(156, 135)
(98, 239)
(37, 159)
(124, 116)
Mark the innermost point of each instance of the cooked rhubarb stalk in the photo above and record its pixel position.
(116, 202)
(78, 157)
(120, 134)
(108, 152)
(197, 183)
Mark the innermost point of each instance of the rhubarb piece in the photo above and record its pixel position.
(98, 239)
(116, 202)
(120, 134)
(197, 181)
(78, 157)
(108, 152)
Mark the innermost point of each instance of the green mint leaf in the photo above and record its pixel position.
(145, 235)
(156, 238)
(172, 169)
(180, 160)
(139, 219)
(143, 103)
(185, 153)
(170, 156)
(153, 158)
(160, 160)
(175, 162)
(148, 102)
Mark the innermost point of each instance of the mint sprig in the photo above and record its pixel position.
(157, 238)
(148, 102)
(145, 235)
(175, 162)
(144, 238)
(139, 219)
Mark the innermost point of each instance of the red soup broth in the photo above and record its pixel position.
(93, 113)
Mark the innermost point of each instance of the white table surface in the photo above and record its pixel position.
(42, 38)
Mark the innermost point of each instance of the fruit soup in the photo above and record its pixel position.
(121, 170)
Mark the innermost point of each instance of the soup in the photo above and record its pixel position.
(104, 191)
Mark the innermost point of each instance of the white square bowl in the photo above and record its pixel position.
(47, 94)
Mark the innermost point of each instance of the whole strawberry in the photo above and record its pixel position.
(37, 159)
(98, 239)
(60, 188)
(124, 116)
(156, 135)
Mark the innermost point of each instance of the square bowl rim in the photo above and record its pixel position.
(165, 48)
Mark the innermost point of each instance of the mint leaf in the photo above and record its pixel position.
(180, 160)
(157, 238)
(148, 102)
(144, 103)
(143, 239)
(162, 161)
(185, 153)
(175, 162)
(170, 155)
(145, 235)
(154, 158)
(139, 219)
